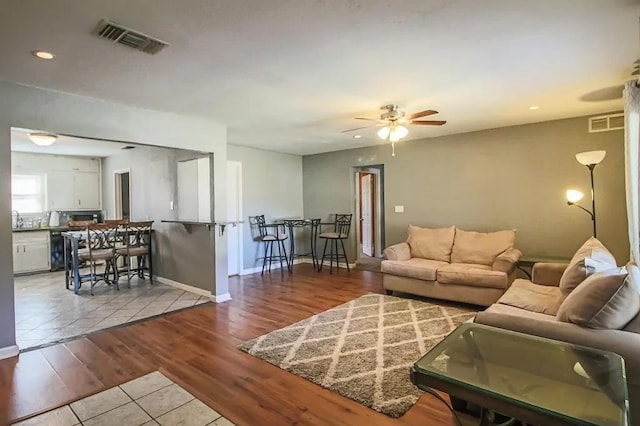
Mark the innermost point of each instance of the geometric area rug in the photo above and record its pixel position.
(362, 349)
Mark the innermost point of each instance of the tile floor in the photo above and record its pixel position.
(46, 312)
(149, 400)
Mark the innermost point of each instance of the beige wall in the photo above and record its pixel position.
(507, 178)
(272, 186)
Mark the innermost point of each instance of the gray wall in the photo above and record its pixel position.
(33, 108)
(507, 178)
(271, 185)
(182, 256)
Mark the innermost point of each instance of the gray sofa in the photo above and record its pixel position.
(589, 302)
(452, 264)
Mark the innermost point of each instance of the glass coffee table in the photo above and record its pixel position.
(535, 380)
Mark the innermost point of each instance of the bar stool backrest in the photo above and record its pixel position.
(261, 222)
(138, 234)
(343, 224)
(101, 236)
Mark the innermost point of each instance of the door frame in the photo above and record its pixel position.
(117, 193)
(239, 220)
(378, 171)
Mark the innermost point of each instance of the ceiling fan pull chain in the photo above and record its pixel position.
(393, 149)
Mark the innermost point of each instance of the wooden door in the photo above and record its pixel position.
(367, 212)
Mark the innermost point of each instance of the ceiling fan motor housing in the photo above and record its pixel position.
(392, 114)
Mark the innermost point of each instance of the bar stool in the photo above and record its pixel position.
(268, 238)
(340, 233)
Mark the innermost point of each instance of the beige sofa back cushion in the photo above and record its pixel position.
(605, 300)
(480, 247)
(431, 243)
(591, 258)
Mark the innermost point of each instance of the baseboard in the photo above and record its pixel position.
(221, 298)
(250, 271)
(191, 289)
(9, 351)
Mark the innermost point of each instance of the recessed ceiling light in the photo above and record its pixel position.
(534, 107)
(43, 54)
(357, 136)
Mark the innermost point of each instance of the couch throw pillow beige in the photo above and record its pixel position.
(591, 258)
(480, 248)
(606, 300)
(431, 243)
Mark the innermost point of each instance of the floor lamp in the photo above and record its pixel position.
(590, 159)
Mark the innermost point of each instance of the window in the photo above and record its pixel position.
(27, 194)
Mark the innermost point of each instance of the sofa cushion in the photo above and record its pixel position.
(471, 275)
(499, 308)
(431, 243)
(591, 258)
(422, 269)
(605, 300)
(480, 247)
(532, 297)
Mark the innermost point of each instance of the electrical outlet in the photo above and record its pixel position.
(399, 209)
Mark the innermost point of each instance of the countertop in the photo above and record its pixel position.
(46, 228)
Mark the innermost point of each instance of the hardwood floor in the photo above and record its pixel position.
(197, 349)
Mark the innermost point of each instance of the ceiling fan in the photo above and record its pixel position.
(393, 121)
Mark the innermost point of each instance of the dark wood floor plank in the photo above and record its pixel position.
(197, 348)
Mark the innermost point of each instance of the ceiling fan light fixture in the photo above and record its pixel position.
(401, 131)
(383, 133)
(42, 139)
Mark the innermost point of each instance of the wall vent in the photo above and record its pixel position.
(135, 39)
(605, 123)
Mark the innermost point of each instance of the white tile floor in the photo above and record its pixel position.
(46, 312)
(149, 400)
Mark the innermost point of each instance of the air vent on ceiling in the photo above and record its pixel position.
(123, 35)
(605, 123)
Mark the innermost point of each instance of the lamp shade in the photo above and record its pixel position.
(384, 132)
(573, 196)
(401, 131)
(42, 139)
(590, 157)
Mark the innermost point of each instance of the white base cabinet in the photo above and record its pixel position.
(31, 251)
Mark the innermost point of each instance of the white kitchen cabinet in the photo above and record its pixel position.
(86, 190)
(31, 251)
(60, 193)
(73, 190)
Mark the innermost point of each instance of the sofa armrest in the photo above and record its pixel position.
(400, 251)
(548, 274)
(506, 262)
(624, 343)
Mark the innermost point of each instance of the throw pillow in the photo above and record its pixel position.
(606, 300)
(431, 243)
(591, 258)
(480, 248)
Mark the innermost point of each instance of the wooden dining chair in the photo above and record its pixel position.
(101, 247)
(137, 238)
(341, 228)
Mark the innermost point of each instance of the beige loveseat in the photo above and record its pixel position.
(589, 302)
(452, 264)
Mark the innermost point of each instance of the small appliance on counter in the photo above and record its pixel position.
(54, 219)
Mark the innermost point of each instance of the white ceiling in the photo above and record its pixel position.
(290, 75)
(65, 145)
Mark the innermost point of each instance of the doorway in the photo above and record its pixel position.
(234, 217)
(122, 194)
(369, 195)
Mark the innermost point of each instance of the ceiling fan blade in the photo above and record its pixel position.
(357, 128)
(367, 119)
(422, 114)
(428, 123)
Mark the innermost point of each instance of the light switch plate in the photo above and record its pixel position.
(171, 205)
(399, 209)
